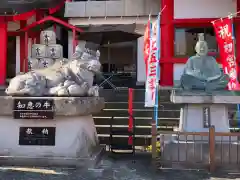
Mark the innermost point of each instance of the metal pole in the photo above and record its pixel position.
(234, 50)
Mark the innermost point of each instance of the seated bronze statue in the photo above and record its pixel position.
(202, 72)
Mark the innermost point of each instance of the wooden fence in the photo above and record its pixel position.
(211, 150)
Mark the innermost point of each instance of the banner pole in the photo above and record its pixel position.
(234, 46)
(157, 69)
(158, 36)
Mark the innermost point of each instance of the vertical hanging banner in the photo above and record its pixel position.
(152, 65)
(147, 43)
(224, 35)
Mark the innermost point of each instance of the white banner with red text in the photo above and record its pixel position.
(151, 64)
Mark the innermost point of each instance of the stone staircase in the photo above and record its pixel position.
(116, 107)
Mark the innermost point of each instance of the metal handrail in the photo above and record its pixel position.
(108, 79)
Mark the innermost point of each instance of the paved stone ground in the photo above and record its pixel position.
(111, 169)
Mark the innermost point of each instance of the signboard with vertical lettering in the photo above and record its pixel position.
(206, 117)
(33, 108)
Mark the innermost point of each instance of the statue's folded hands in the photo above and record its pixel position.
(214, 78)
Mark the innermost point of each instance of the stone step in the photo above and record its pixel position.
(140, 140)
(140, 106)
(138, 96)
(162, 106)
(139, 130)
(141, 113)
(171, 122)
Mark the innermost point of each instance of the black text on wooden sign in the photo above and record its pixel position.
(33, 109)
(37, 136)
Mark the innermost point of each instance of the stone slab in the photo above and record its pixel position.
(201, 97)
(64, 106)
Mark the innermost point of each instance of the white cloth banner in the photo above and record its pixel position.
(150, 85)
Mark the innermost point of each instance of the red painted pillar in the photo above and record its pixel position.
(237, 34)
(3, 47)
(22, 47)
(167, 42)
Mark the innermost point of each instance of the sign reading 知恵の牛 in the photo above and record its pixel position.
(33, 108)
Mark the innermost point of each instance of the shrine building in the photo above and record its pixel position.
(181, 21)
(118, 27)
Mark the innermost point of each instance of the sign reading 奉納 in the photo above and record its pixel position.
(42, 136)
(33, 109)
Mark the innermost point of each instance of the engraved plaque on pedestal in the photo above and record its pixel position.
(37, 136)
(55, 51)
(206, 117)
(45, 62)
(38, 51)
(48, 37)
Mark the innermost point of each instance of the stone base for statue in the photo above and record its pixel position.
(191, 118)
(69, 139)
(201, 110)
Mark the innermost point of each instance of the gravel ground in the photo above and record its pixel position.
(111, 169)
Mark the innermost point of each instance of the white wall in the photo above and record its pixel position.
(141, 74)
(203, 8)
(18, 52)
(178, 71)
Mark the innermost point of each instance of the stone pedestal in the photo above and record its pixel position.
(192, 111)
(195, 149)
(76, 142)
(192, 115)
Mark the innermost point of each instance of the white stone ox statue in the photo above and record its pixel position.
(64, 78)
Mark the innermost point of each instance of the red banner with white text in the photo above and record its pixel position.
(224, 35)
(147, 44)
